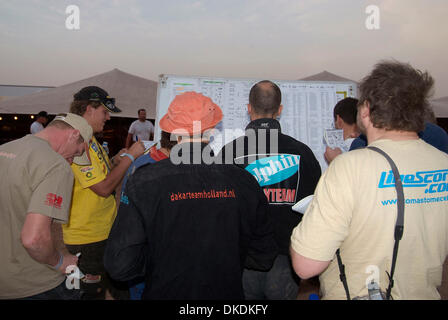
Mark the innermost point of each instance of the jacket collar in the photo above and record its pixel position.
(264, 123)
(191, 152)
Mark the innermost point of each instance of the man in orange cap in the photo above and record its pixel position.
(190, 228)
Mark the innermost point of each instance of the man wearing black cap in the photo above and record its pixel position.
(38, 124)
(93, 207)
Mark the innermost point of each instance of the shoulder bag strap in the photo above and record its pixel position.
(399, 225)
(342, 274)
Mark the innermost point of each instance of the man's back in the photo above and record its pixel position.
(36, 127)
(359, 201)
(33, 178)
(282, 194)
(432, 134)
(200, 222)
(435, 136)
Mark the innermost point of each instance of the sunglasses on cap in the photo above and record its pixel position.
(107, 102)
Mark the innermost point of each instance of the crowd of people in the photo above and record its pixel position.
(164, 223)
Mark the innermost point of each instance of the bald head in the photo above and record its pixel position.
(265, 99)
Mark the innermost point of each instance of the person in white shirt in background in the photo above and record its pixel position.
(38, 124)
(140, 129)
(344, 114)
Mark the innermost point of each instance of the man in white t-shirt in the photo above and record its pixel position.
(344, 114)
(140, 129)
(38, 124)
(355, 203)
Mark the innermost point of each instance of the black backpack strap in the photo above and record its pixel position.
(399, 224)
(342, 274)
(398, 234)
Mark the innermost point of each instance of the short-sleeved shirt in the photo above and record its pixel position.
(142, 130)
(91, 216)
(354, 209)
(33, 179)
(36, 127)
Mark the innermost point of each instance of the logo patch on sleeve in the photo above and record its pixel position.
(54, 200)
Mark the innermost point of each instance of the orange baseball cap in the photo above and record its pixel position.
(187, 108)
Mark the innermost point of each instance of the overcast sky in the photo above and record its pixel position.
(269, 39)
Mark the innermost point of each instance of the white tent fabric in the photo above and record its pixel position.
(326, 76)
(131, 93)
(440, 107)
(4, 110)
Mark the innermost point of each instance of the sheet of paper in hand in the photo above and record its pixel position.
(148, 144)
(334, 138)
(303, 204)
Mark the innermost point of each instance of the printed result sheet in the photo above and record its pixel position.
(307, 106)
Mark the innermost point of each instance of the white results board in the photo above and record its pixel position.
(307, 106)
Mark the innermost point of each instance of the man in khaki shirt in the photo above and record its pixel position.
(36, 183)
(355, 203)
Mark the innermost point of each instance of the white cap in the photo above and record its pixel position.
(79, 123)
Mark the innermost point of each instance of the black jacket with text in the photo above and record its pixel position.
(285, 168)
(190, 229)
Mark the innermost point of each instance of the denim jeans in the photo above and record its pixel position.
(279, 283)
(136, 288)
(59, 293)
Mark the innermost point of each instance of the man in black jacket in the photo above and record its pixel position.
(189, 227)
(287, 170)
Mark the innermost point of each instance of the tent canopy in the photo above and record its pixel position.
(326, 76)
(131, 93)
(440, 107)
